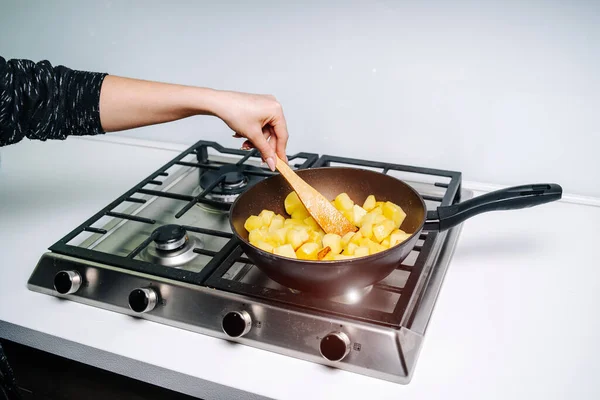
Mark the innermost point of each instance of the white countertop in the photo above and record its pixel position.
(518, 315)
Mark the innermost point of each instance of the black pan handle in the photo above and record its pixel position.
(512, 198)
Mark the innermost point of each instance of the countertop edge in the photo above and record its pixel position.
(163, 377)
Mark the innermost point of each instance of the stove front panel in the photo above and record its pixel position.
(370, 349)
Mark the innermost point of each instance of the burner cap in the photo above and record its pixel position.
(170, 237)
(234, 180)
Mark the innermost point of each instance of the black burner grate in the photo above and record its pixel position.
(201, 152)
(402, 289)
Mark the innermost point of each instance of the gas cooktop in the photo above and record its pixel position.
(164, 252)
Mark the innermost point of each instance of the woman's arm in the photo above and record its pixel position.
(42, 102)
(129, 103)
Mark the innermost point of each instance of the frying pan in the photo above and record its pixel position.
(336, 277)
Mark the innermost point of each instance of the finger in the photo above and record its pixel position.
(280, 130)
(237, 135)
(260, 142)
(273, 144)
(273, 139)
(269, 135)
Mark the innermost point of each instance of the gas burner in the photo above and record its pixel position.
(172, 247)
(225, 198)
(170, 237)
(351, 297)
(234, 182)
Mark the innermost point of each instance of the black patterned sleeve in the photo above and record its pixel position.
(42, 102)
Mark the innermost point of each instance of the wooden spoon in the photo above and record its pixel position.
(329, 218)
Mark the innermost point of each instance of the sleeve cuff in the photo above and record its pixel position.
(83, 98)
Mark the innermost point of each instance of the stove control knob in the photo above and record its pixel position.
(335, 346)
(236, 323)
(142, 300)
(67, 282)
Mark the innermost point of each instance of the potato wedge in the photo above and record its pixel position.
(361, 251)
(285, 251)
(358, 213)
(334, 242)
(369, 203)
(346, 238)
(394, 212)
(292, 203)
(267, 217)
(308, 251)
(253, 222)
(383, 229)
(261, 244)
(296, 237)
(276, 223)
(343, 202)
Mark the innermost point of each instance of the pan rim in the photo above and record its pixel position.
(375, 256)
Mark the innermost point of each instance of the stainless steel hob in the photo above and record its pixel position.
(164, 252)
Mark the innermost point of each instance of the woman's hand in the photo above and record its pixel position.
(258, 118)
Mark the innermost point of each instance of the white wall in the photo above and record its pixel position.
(506, 91)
